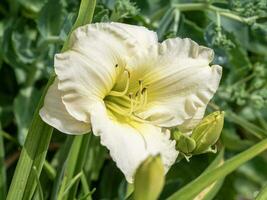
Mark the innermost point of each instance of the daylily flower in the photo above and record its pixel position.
(119, 82)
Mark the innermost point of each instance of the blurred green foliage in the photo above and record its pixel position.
(32, 31)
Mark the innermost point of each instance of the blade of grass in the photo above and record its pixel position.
(33, 154)
(262, 194)
(50, 171)
(88, 195)
(195, 187)
(2, 169)
(62, 188)
(72, 182)
(9, 137)
(61, 163)
(76, 161)
(35, 148)
(39, 186)
(251, 128)
(209, 192)
(85, 187)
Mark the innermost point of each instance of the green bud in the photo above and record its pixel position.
(149, 179)
(207, 132)
(184, 143)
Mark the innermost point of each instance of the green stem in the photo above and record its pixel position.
(199, 184)
(85, 16)
(208, 7)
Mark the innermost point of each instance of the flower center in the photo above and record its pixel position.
(127, 102)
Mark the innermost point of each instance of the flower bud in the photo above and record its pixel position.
(184, 143)
(149, 179)
(207, 132)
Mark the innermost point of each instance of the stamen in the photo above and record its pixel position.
(114, 107)
(122, 93)
(132, 103)
(140, 85)
(144, 95)
(138, 119)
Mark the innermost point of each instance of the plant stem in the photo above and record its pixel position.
(208, 7)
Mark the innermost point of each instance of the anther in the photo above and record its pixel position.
(116, 65)
(143, 90)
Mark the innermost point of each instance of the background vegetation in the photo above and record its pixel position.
(32, 31)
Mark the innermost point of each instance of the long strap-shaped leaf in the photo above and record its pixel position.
(35, 148)
(2, 168)
(262, 194)
(189, 191)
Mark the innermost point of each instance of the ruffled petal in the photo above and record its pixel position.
(55, 114)
(139, 34)
(97, 56)
(180, 83)
(130, 143)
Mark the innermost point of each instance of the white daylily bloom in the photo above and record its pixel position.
(117, 80)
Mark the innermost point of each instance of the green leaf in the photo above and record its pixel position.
(76, 161)
(2, 169)
(251, 128)
(51, 18)
(72, 182)
(24, 106)
(262, 194)
(210, 192)
(165, 22)
(50, 171)
(32, 5)
(96, 152)
(61, 159)
(196, 186)
(34, 150)
(39, 186)
(33, 154)
(233, 142)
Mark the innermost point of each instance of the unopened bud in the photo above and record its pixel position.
(149, 179)
(207, 132)
(184, 143)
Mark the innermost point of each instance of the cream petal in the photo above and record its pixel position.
(144, 37)
(181, 82)
(89, 70)
(130, 143)
(55, 114)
